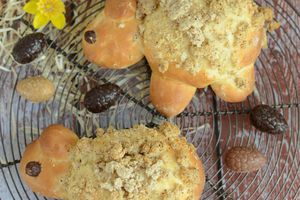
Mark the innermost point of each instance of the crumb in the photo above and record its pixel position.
(176, 8)
(121, 25)
(145, 7)
(273, 26)
(99, 132)
(240, 83)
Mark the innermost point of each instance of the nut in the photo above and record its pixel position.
(36, 89)
(244, 159)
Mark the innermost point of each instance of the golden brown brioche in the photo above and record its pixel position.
(237, 87)
(111, 40)
(170, 97)
(201, 43)
(138, 163)
(45, 161)
(248, 55)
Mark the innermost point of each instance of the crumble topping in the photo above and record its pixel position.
(202, 34)
(138, 163)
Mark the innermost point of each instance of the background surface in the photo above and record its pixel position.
(209, 123)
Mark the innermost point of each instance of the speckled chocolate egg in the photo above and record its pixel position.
(29, 48)
(244, 159)
(268, 119)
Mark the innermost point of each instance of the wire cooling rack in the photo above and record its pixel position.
(209, 123)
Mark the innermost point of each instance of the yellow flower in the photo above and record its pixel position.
(45, 11)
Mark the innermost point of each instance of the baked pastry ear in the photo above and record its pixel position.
(248, 56)
(238, 87)
(112, 40)
(169, 96)
(45, 160)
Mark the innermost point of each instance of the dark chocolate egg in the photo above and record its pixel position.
(101, 97)
(29, 47)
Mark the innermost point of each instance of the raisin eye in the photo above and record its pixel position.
(33, 168)
(90, 37)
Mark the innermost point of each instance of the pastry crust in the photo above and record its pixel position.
(170, 97)
(199, 80)
(202, 79)
(138, 163)
(237, 87)
(117, 43)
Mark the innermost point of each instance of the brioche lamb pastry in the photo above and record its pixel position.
(192, 44)
(46, 160)
(112, 40)
(138, 163)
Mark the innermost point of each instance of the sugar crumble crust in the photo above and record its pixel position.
(202, 34)
(138, 163)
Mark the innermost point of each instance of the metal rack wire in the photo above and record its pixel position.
(209, 123)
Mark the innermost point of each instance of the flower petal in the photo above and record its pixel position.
(59, 21)
(39, 21)
(31, 7)
(61, 6)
